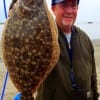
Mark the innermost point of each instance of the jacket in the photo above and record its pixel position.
(58, 85)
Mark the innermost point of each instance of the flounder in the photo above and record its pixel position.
(30, 45)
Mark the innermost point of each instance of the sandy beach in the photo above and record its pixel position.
(11, 90)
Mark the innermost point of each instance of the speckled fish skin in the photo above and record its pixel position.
(30, 45)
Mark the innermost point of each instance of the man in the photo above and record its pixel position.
(74, 77)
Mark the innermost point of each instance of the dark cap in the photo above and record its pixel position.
(59, 1)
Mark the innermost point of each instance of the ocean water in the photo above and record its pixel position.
(91, 29)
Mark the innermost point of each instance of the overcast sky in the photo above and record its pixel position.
(89, 10)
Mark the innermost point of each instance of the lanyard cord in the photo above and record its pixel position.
(72, 74)
(5, 9)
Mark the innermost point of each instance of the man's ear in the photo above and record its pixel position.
(77, 7)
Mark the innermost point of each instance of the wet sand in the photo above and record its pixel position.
(11, 91)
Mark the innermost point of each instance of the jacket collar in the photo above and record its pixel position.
(73, 31)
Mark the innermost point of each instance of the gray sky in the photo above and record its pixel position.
(89, 10)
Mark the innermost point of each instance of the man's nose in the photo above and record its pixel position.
(68, 9)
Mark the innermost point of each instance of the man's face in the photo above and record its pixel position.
(65, 12)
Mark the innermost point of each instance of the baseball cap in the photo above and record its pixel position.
(59, 1)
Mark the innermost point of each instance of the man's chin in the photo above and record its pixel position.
(68, 24)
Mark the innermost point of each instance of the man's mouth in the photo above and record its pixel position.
(67, 17)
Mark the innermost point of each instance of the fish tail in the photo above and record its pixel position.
(27, 96)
